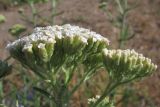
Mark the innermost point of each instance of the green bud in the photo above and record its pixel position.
(42, 52)
(95, 47)
(59, 44)
(94, 59)
(89, 46)
(50, 48)
(29, 55)
(118, 57)
(102, 45)
(67, 44)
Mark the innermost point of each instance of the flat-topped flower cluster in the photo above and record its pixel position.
(54, 46)
(51, 33)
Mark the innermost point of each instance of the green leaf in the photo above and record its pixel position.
(43, 92)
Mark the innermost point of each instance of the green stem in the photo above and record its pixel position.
(70, 75)
(120, 6)
(122, 30)
(51, 76)
(53, 88)
(107, 91)
(79, 83)
(1, 91)
(34, 12)
(54, 2)
(110, 87)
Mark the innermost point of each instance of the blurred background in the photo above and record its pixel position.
(135, 25)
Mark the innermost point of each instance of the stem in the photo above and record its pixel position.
(69, 78)
(52, 87)
(1, 91)
(122, 30)
(120, 6)
(107, 91)
(33, 9)
(51, 77)
(53, 10)
(79, 83)
(110, 87)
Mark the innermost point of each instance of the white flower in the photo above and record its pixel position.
(52, 32)
(53, 43)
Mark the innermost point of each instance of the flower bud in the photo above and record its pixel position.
(67, 44)
(50, 47)
(79, 43)
(89, 46)
(42, 52)
(29, 55)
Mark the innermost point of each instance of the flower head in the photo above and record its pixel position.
(104, 103)
(57, 45)
(127, 64)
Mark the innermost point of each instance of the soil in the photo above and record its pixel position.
(145, 20)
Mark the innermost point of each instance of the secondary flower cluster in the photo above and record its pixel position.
(105, 103)
(53, 46)
(127, 64)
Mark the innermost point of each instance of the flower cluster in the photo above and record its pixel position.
(105, 103)
(93, 100)
(53, 46)
(125, 65)
(54, 52)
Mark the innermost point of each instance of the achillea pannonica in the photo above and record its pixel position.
(55, 52)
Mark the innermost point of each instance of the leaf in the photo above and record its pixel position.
(43, 92)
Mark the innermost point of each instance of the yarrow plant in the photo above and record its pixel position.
(54, 53)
